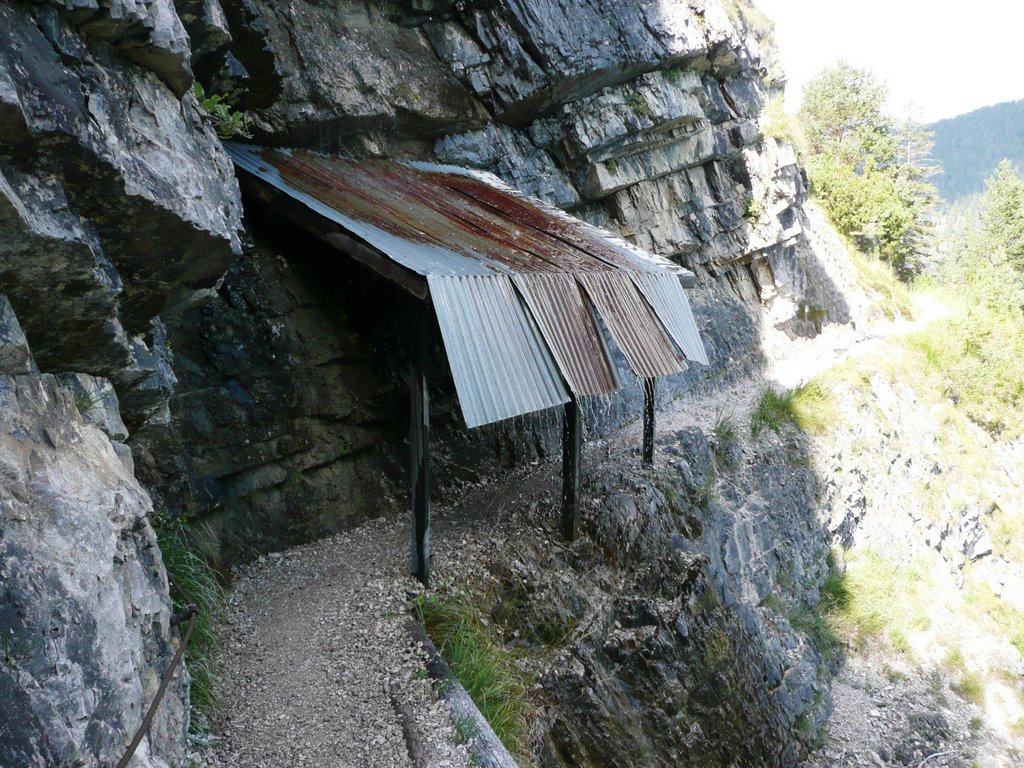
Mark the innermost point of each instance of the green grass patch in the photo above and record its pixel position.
(882, 599)
(809, 406)
(974, 355)
(983, 605)
(487, 669)
(193, 580)
(823, 623)
(892, 298)
(970, 686)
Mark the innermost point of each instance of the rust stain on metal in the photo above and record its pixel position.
(631, 324)
(568, 326)
(478, 242)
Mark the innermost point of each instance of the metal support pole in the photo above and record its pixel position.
(650, 391)
(419, 442)
(572, 441)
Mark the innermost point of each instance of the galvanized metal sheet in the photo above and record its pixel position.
(501, 365)
(631, 324)
(567, 323)
(668, 300)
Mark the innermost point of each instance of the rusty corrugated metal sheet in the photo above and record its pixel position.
(422, 255)
(669, 302)
(568, 326)
(500, 364)
(630, 322)
(470, 235)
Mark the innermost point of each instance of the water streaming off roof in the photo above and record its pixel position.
(514, 282)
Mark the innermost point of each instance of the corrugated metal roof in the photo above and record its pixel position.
(568, 326)
(669, 302)
(500, 364)
(631, 324)
(471, 235)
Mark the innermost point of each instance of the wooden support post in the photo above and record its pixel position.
(650, 392)
(419, 441)
(572, 442)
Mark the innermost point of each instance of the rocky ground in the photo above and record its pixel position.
(888, 712)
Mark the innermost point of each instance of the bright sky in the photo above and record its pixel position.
(946, 56)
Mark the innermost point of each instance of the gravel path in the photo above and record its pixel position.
(317, 667)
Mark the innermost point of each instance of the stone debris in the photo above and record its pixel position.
(318, 667)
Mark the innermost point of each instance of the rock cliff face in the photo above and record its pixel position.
(116, 204)
(262, 389)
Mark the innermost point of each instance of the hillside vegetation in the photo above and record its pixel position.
(930, 426)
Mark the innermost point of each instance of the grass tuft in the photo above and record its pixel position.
(774, 409)
(882, 599)
(193, 580)
(970, 686)
(809, 406)
(485, 667)
(725, 434)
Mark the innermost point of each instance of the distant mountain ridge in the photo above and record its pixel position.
(970, 146)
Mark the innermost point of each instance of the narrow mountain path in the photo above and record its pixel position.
(317, 667)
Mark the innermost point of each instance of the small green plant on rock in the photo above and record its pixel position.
(753, 208)
(639, 105)
(725, 434)
(227, 122)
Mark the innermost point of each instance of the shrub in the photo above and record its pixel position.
(227, 122)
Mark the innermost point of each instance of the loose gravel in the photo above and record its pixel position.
(318, 668)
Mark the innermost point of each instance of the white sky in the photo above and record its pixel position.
(946, 56)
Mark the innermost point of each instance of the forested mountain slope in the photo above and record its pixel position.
(970, 146)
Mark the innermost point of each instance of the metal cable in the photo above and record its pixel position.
(189, 612)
